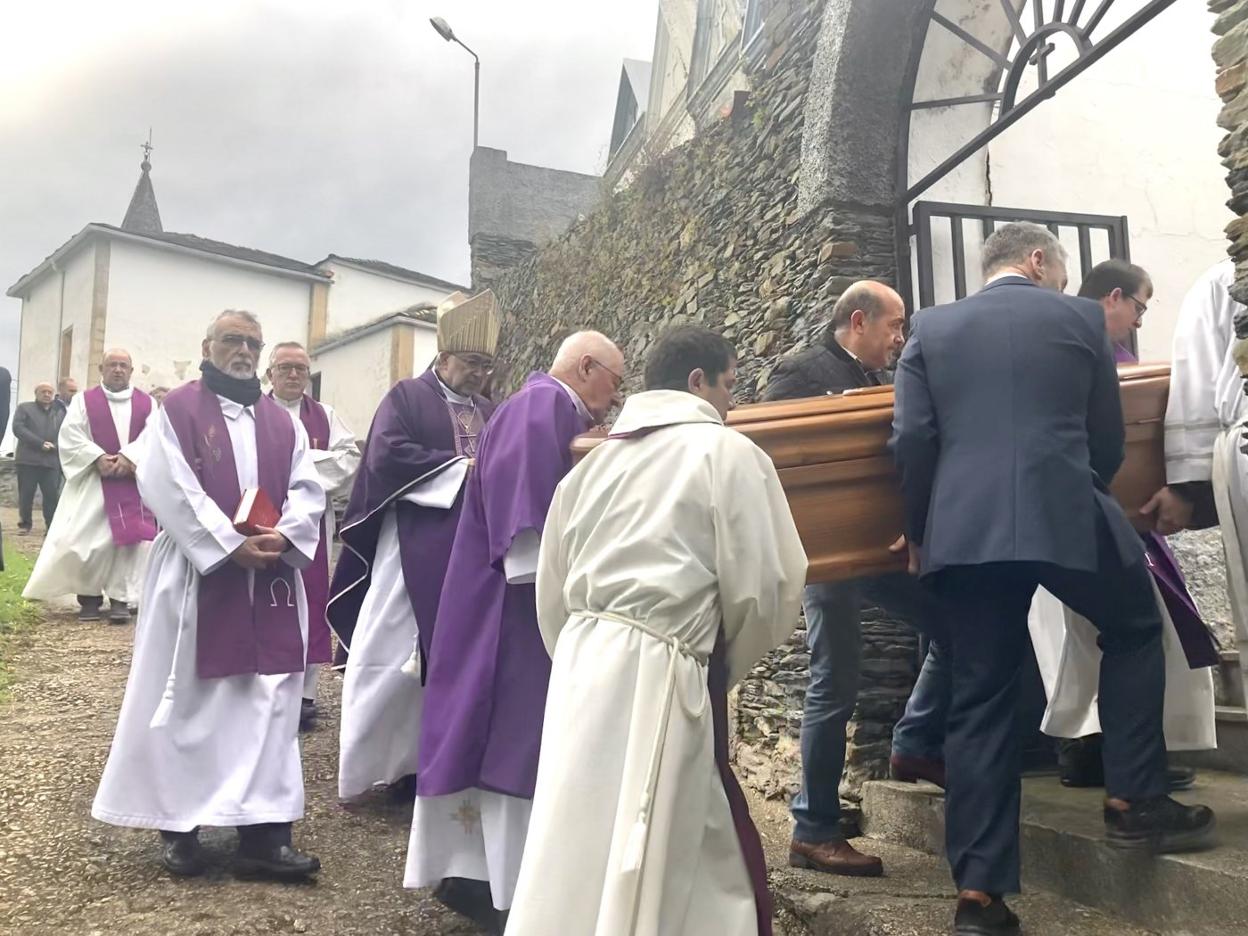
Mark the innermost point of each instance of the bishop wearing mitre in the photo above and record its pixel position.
(397, 534)
(97, 545)
(208, 731)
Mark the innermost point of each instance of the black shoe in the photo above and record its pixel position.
(1160, 826)
(403, 790)
(89, 607)
(974, 919)
(183, 856)
(280, 863)
(307, 715)
(1079, 762)
(118, 612)
(469, 899)
(1180, 778)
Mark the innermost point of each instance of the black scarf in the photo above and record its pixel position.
(244, 392)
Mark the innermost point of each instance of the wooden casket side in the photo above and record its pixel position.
(831, 454)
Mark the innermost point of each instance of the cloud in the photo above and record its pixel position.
(298, 128)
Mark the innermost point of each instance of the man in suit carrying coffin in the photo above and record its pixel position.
(1004, 474)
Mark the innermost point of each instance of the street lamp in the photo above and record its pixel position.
(444, 30)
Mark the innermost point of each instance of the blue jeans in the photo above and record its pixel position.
(921, 731)
(834, 636)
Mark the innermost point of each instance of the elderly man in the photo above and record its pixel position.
(66, 390)
(37, 426)
(209, 726)
(397, 535)
(336, 457)
(481, 727)
(650, 615)
(97, 544)
(863, 338)
(1004, 478)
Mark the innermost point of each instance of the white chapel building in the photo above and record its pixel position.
(137, 286)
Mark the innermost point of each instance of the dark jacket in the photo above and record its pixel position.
(818, 371)
(6, 383)
(33, 425)
(1007, 429)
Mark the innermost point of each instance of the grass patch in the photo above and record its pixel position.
(17, 615)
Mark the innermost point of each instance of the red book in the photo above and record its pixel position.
(255, 510)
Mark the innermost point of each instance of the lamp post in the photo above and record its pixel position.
(444, 30)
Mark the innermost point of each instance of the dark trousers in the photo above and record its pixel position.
(834, 636)
(48, 482)
(987, 607)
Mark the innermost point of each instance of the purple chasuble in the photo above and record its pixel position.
(236, 635)
(413, 437)
(488, 670)
(1199, 645)
(129, 521)
(316, 576)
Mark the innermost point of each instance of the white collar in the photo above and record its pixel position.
(291, 407)
(654, 409)
(118, 396)
(576, 400)
(450, 394)
(232, 410)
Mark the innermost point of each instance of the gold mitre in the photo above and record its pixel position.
(468, 326)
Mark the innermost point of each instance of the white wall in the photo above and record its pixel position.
(160, 303)
(43, 322)
(355, 376)
(426, 348)
(358, 296)
(1135, 135)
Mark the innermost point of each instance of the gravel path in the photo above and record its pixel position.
(62, 872)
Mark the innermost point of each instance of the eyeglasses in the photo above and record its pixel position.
(619, 381)
(480, 365)
(1140, 307)
(300, 370)
(237, 341)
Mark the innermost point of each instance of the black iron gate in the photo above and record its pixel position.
(1089, 238)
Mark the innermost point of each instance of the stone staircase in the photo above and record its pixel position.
(1064, 853)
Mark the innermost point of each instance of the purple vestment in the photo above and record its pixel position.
(1199, 645)
(316, 576)
(236, 636)
(129, 521)
(412, 438)
(482, 720)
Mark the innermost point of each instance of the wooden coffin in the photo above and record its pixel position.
(832, 457)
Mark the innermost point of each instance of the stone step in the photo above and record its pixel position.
(915, 898)
(1232, 751)
(1064, 852)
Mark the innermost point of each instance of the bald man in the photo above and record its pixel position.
(97, 544)
(481, 725)
(36, 425)
(863, 339)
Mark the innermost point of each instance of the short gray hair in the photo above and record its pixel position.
(231, 313)
(1015, 242)
(283, 346)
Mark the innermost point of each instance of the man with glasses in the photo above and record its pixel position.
(1066, 643)
(397, 534)
(481, 727)
(209, 728)
(336, 456)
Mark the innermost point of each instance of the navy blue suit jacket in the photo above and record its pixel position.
(1008, 430)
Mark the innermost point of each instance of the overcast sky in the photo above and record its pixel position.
(301, 127)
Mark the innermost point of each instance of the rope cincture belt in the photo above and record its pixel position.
(635, 845)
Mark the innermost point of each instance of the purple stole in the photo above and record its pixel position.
(316, 576)
(128, 519)
(236, 636)
(1199, 645)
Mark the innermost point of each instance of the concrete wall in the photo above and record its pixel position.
(45, 317)
(513, 207)
(358, 296)
(160, 304)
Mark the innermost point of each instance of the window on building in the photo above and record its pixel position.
(67, 351)
(315, 386)
(755, 16)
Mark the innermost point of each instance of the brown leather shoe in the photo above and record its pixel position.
(914, 769)
(834, 858)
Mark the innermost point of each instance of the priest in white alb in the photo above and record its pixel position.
(336, 456)
(669, 565)
(208, 731)
(97, 545)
